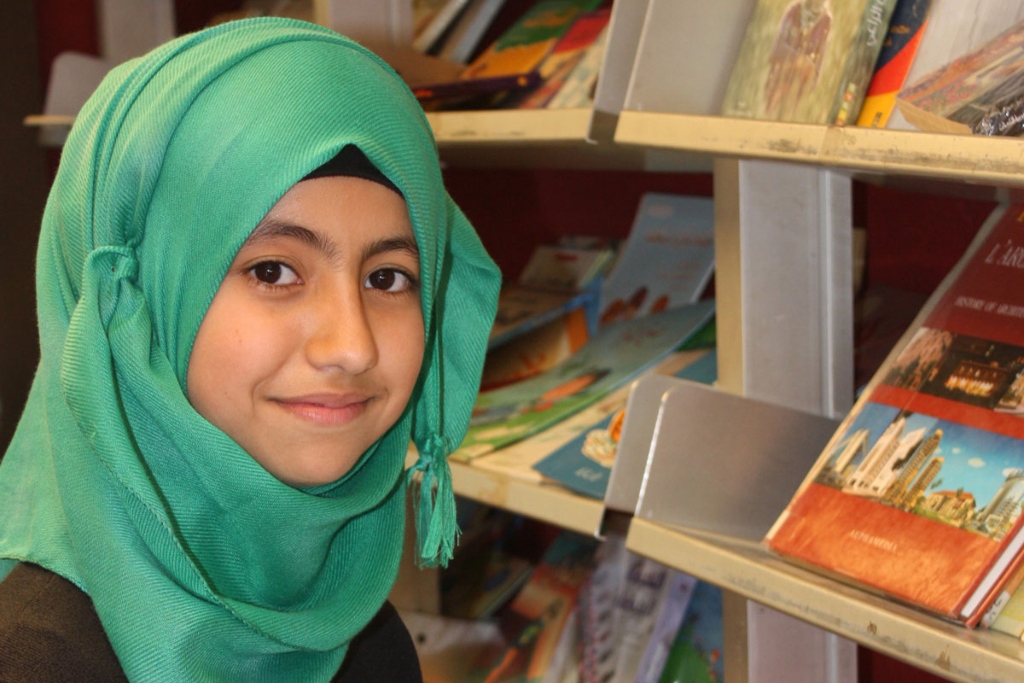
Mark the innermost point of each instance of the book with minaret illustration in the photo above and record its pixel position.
(919, 493)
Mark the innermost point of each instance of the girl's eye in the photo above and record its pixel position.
(274, 273)
(389, 280)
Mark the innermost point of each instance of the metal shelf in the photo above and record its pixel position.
(746, 568)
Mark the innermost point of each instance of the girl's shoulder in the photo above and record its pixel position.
(49, 631)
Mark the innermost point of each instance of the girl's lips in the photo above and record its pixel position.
(326, 409)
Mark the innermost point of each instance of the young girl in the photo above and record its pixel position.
(252, 289)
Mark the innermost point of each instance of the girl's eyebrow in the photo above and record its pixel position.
(271, 229)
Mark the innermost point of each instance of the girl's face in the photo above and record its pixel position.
(314, 340)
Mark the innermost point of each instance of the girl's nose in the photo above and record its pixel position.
(342, 335)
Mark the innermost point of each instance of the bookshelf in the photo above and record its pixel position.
(784, 195)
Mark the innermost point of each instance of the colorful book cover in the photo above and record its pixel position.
(667, 260)
(696, 653)
(522, 308)
(584, 465)
(567, 54)
(534, 623)
(906, 28)
(981, 92)
(536, 350)
(577, 90)
(524, 46)
(614, 356)
(919, 492)
(801, 58)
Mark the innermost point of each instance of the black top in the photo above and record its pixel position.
(49, 633)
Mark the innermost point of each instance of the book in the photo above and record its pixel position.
(565, 56)
(1009, 616)
(577, 89)
(801, 59)
(612, 358)
(522, 308)
(511, 62)
(597, 610)
(860, 64)
(982, 92)
(565, 268)
(516, 460)
(585, 464)
(918, 494)
(696, 652)
(954, 29)
(667, 260)
(533, 625)
(670, 619)
(536, 350)
(638, 603)
(906, 29)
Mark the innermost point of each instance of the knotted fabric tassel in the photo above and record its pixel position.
(437, 529)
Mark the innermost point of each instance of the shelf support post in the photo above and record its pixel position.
(784, 284)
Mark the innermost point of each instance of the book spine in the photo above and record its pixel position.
(861, 61)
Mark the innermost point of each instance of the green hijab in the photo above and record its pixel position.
(201, 565)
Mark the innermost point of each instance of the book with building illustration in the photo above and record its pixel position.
(919, 492)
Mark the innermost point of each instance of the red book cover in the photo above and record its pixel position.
(919, 493)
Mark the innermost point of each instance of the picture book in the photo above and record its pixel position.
(982, 92)
(534, 623)
(536, 350)
(585, 464)
(955, 29)
(613, 357)
(565, 268)
(517, 460)
(918, 493)
(801, 59)
(522, 308)
(566, 55)
(696, 653)
(667, 260)
(906, 29)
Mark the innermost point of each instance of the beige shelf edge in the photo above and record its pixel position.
(969, 158)
(948, 650)
(510, 126)
(546, 502)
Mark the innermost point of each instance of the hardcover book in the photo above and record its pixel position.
(804, 60)
(982, 92)
(918, 494)
(906, 29)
